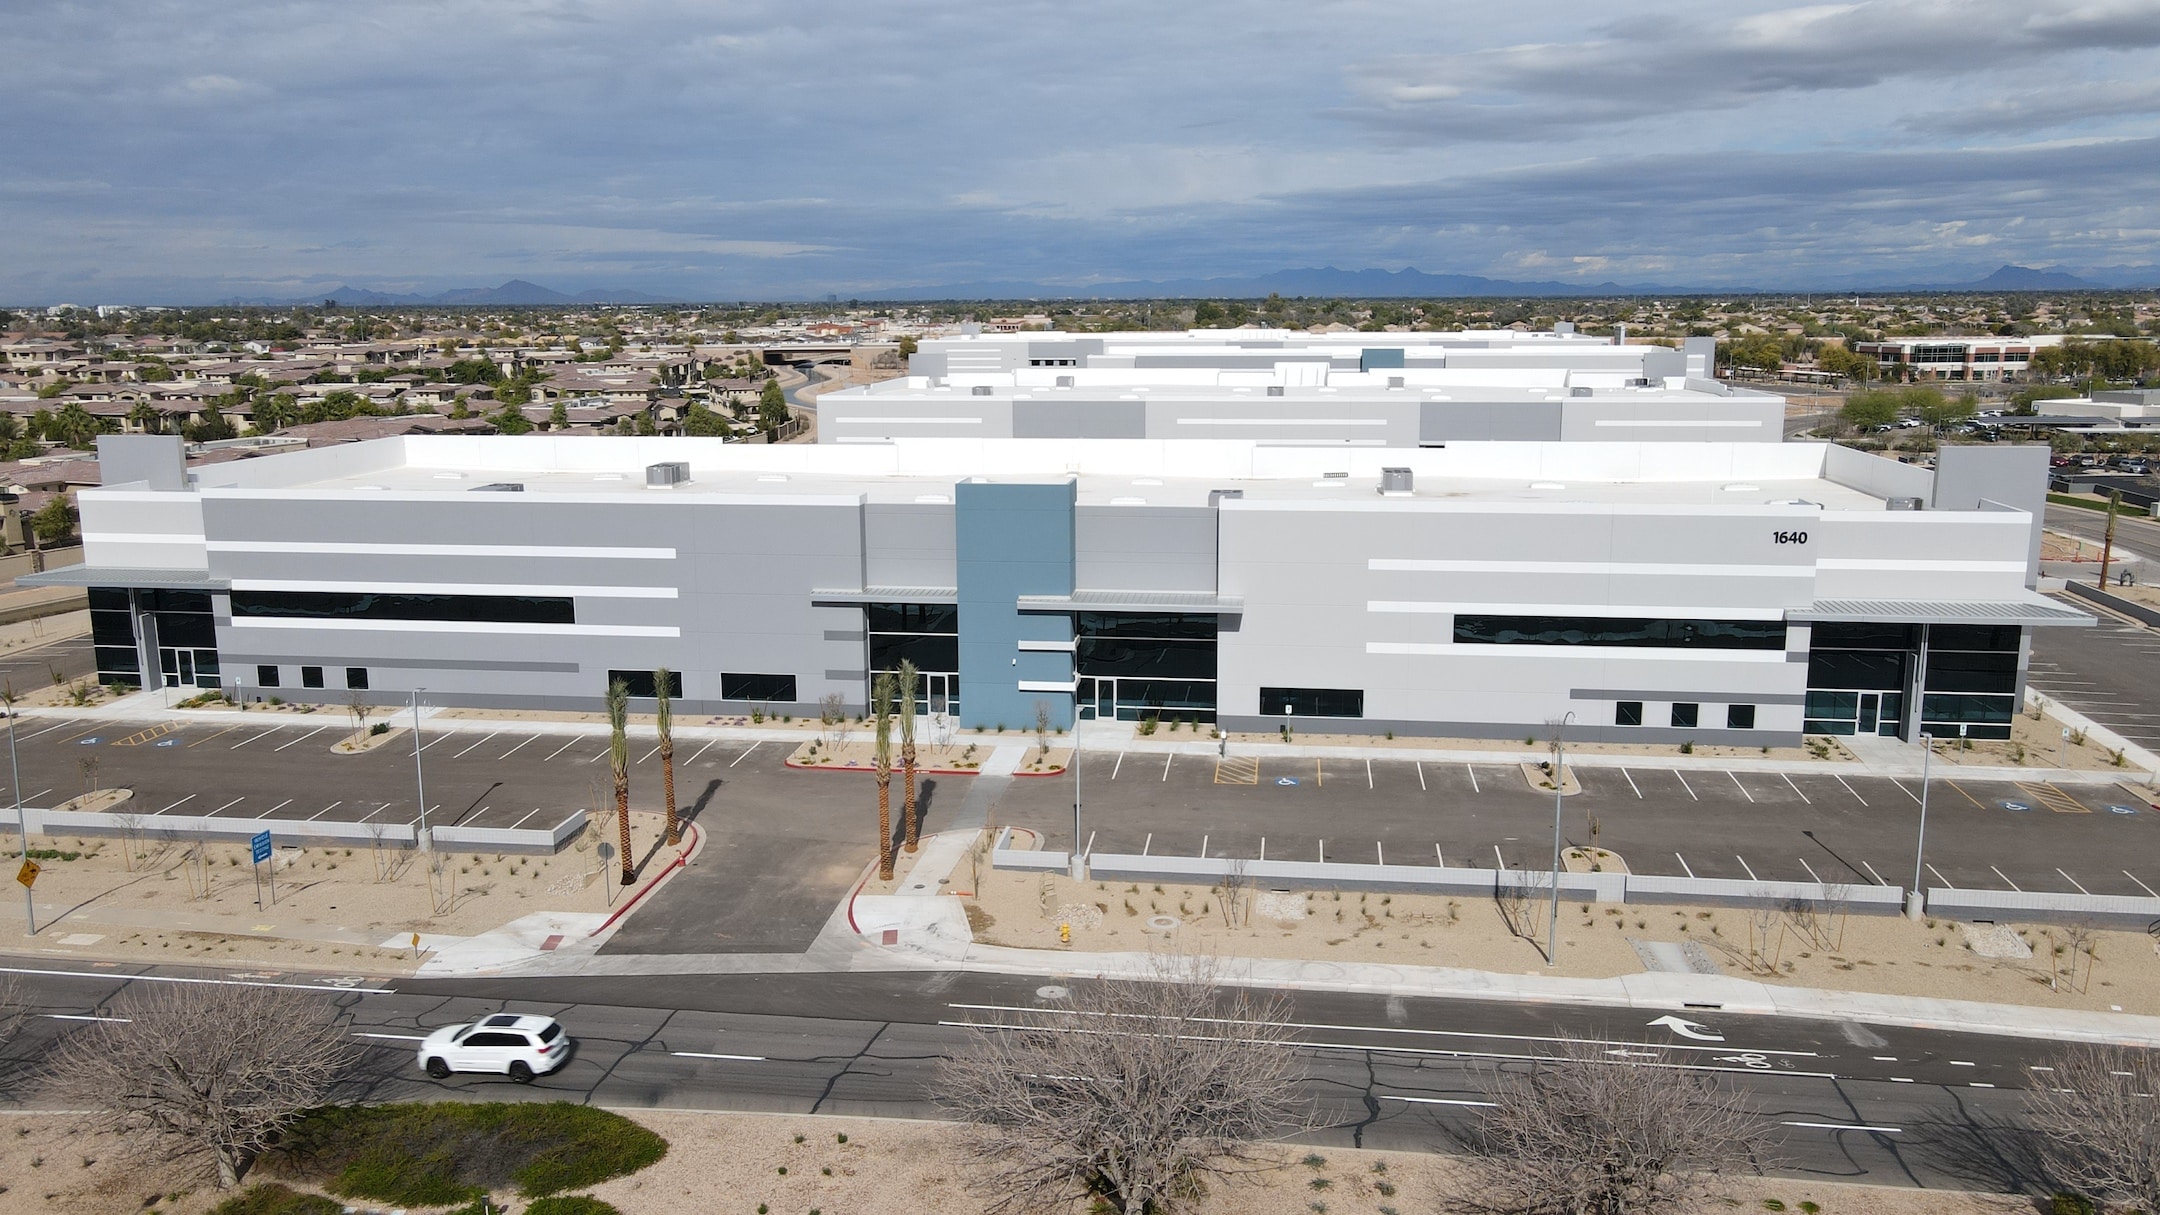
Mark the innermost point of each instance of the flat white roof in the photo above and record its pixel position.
(1109, 472)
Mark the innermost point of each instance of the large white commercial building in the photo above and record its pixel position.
(1736, 592)
(1283, 386)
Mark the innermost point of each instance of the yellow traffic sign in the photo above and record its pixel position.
(27, 875)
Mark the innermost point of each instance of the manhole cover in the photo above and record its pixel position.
(1052, 992)
(1162, 923)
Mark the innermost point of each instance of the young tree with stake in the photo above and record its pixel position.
(905, 692)
(618, 711)
(881, 693)
(664, 717)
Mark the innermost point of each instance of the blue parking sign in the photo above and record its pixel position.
(259, 846)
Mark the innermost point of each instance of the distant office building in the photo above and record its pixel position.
(1281, 386)
(1717, 592)
(1956, 358)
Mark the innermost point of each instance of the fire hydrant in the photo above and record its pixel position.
(1064, 934)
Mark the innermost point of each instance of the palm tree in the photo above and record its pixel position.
(906, 692)
(618, 712)
(664, 714)
(881, 695)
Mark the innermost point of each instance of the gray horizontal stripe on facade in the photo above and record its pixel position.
(400, 664)
(844, 676)
(843, 634)
(1716, 698)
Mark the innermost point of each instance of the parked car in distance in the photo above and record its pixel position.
(518, 1046)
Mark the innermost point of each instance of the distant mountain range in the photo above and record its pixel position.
(1412, 283)
(515, 293)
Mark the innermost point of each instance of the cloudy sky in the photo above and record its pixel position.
(185, 151)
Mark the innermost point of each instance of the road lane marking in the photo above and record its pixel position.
(1117, 767)
(482, 742)
(47, 730)
(1812, 875)
(1849, 789)
(281, 805)
(1473, 778)
(1962, 1063)
(372, 813)
(1939, 877)
(1743, 788)
(1421, 776)
(1980, 1084)
(521, 822)
(1439, 1101)
(227, 806)
(1683, 784)
(326, 809)
(183, 801)
(699, 1054)
(1902, 789)
(1795, 788)
(2006, 878)
(2142, 886)
(1166, 765)
(87, 1017)
(1631, 783)
(1744, 865)
(245, 741)
(565, 747)
(686, 763)
(392, 1037)
(106, 976)
(745, 755)
(1849, 1126)
(1368, 774)
(296, 742)
(648, 755)
(1684, 864)
(1871, 869)
(1968, 797)
(528, 738)
(221, 733)
(2074, 882)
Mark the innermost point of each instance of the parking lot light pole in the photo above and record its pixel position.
(419, 776)
(1552, 924)
(1913, 901)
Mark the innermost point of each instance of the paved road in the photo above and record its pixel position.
(2133, 531)
(27, 670)
(1848, 1102)
(2107, 672)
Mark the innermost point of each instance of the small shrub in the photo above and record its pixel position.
(379, 728)
(571, 1204)
(275, 1199)
(1688, 747)
(2069, 1202)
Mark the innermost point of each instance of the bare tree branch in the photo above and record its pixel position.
(2099, 1132)
(1583, 1134)
(1136, 1094)
(213, 1070)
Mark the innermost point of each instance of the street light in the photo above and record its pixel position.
(419, 776)
(1552, 924)
(22, 820)
(1927, 741)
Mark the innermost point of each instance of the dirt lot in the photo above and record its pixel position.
(731, 1162)
(143, 899)
(1885, 954)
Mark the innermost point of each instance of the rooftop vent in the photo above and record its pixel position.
(980, 390)
(1064, 381)
(1274, 390)
(500, 487)
(1396, 481)
(663, 476)
(1901, 504)
(1579, 391)
(1394, 381)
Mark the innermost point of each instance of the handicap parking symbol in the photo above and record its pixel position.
(1286, 780)
(91, 741)
(168, 742)
(2122, 809)
(2016, 807)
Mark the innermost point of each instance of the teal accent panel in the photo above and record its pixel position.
(1376, 359)
(1012, 540)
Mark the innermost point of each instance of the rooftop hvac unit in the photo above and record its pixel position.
(1394, 381)
(1396, 481)
(1901, 504)
(1579, 391)
(500, 487)
(1217, 495)
(663, 476)
(980, 390)
(1064, 381)
(1274, 390)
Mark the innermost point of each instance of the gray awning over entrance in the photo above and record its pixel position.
(889, 594)
(2034, 610)
(124, 576)
(1205, 603)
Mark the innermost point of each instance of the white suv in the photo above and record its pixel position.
(520, 1047)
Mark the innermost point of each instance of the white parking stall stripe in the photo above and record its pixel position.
(1631, 783)
(514, 750)
(393, 1037)
(1871, 869)
(1743, 788)
(745, 755)
(326, 809)
(1795, 788)
(482, 742)
(649, 754)
(227, 806)
(303, 738)
(1439, 1101)
(565, 747)
(1849, 789)
(1850, 1126)
(183, 801)
(700, 751)
(1683, 784)
(699, 1054)
(265, 734)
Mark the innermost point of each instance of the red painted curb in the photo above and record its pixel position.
(682, 858)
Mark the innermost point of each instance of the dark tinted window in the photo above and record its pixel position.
(1136, 624)
(1973, 637)
(1614, 631)
(266, 676)
(496, 1038)
(912, 617)
(1869, 669)
(929, 652)
(1627, 713)
(1312, 702)
(1146, 656)
(311, 677)
(356, 678)
(1862, 637)
(1739, 717)
(1971, 671)
(757, 687)
(495, 609)
(641, 683)
(1684, 715)
(552, 1032)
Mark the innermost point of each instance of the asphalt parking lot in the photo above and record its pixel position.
(1827, 825)
(2107, 672)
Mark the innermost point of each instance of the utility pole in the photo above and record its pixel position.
(2107, 549)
